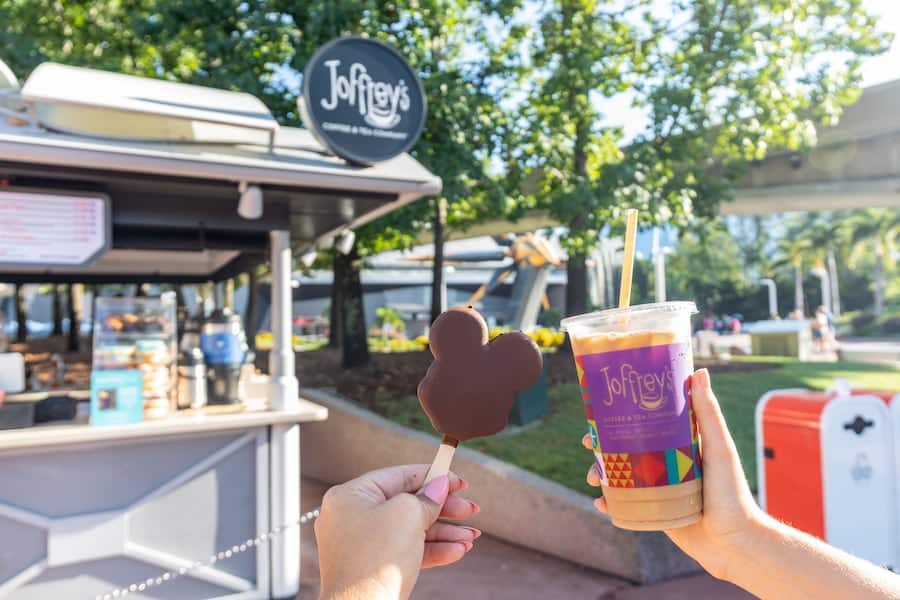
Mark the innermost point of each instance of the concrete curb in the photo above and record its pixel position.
(517, 506)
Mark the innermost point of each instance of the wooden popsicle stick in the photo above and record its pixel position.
(443, 459)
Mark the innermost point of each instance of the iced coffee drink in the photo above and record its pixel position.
(634, 366)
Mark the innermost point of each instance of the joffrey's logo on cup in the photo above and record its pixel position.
(646, 390)
(379, 103)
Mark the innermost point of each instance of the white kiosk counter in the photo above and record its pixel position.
(190, 192)
(84, 510)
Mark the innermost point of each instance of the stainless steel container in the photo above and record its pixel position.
(192, 379)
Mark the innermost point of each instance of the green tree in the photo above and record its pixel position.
(227, 44)
(723, 81)
(707, 268)
(827, 232)
(579, 50)
(796, 253)
(449, 44)
(875, 232)
(261, 46)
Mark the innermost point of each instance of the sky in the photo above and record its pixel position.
(618, 111)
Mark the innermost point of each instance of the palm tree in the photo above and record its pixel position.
(795, 250)
(875, 231)
(827, 232)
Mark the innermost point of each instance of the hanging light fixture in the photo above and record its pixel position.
(250, 205)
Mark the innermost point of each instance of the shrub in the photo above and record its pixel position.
(396, 344)
(385, 315)
(550, 318)
(547, 338)
(862, 323)
(495, 331)
(890, 324)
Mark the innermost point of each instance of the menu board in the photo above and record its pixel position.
(52, 229)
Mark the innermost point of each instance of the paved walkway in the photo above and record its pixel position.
(885, 351)
(496, 570)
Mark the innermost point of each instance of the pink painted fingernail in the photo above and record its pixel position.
(475, 508)
(437, 489)
(476, 533)
(468, 545)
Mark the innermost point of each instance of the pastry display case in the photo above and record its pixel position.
(139, 334)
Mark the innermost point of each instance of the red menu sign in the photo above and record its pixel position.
(52, 229)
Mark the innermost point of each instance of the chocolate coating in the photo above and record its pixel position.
(470, 387)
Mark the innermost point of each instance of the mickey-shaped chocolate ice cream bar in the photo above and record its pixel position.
(470, 387)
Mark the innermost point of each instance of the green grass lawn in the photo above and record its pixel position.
(553, 449)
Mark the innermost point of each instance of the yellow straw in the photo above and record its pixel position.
(631, 218)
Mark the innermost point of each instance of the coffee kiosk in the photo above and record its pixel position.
(106, 178)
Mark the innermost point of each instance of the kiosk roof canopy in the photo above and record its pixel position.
(174, 203)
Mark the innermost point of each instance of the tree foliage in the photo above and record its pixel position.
(516, 90)
(722, 81)
(707, 268)
(261, 47)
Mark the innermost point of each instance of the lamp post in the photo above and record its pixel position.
(448, 270)
(659, 267)
(773, 296)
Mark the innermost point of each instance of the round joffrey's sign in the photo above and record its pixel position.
(362, 100)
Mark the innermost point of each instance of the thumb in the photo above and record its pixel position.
(716, 441)
(432, 497)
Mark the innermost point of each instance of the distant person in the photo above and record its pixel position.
(709, 322)
(724, 324)
(376, 532)
(735, 324)
(823, 330)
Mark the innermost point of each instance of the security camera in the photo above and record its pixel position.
(308, 258)
(344, 242)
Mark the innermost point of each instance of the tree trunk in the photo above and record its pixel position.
(179, 297)
(95, 291)
(75, 293)
(576, 270)
(56, 310)
(252, 319)
(228, 289)
(879, 281)
(760, 238)
(335, 318)
(21, 314)
(354, 337)
(798, 291)
(835, 288)
(437, 276)
(576, 286)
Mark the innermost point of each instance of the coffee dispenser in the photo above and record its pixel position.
(224, 346)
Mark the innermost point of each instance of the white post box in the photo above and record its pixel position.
(859, 478)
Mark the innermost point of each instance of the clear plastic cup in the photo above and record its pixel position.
(634, 366)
